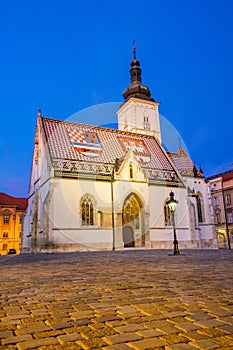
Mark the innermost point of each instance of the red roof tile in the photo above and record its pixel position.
(83, 147)
(184, 163)
(6, 199)
(114, 144)
(228, 175)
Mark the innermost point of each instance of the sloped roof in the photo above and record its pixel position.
(79, 144)
(6, 199)
(184, 163)
(226, 175)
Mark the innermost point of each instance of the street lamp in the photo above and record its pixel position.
(172, 204)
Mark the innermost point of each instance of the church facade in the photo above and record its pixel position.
(94, 188)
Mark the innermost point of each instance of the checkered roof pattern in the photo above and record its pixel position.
(61, 146)
(76, 136)
(183, 162)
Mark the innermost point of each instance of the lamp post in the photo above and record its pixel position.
(172, 204)
(113, 216)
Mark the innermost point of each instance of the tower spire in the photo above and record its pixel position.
(136, 88)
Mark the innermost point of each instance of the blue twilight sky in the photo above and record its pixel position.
(63, 56)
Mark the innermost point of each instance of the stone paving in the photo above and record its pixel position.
(120, 300)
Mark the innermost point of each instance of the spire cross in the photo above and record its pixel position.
(134, 49)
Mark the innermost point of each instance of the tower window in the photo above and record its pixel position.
(5, 234)
(146, 123)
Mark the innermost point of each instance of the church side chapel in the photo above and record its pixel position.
(96, 188)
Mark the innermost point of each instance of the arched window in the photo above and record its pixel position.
(200, 208)
(146, 123)
(87, 212)
(131, 212)
(167, 216)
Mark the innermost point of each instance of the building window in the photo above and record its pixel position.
(5, 234)
(87, 212)
(228, 198)
(199, 208)
(131, 171)
(4, 246)
(100, 218)
(167, 216)
(230, 218)
(216, 202)
(6, 219)
(218, 218)
(146, 123)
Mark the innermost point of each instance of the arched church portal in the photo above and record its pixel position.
(132, 222)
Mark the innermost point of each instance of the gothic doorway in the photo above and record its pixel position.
(128, 236)
(132, 228)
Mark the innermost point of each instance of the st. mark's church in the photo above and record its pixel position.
(96, 188)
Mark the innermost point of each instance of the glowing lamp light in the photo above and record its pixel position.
(172, 203)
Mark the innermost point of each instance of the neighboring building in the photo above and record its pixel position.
(221, 187)
(94, 188)
(11, 215)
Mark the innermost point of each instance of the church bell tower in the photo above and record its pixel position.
(139, 113)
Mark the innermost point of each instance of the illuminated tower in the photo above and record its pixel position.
(139, 113)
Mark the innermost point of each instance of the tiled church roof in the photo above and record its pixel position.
(184, 163)
(80, 143)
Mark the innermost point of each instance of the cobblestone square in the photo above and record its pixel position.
(131, 299)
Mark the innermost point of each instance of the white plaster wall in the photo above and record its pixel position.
(67, 196)
(161, 235)
(82, 236)
(68, 192)
(157, 199)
